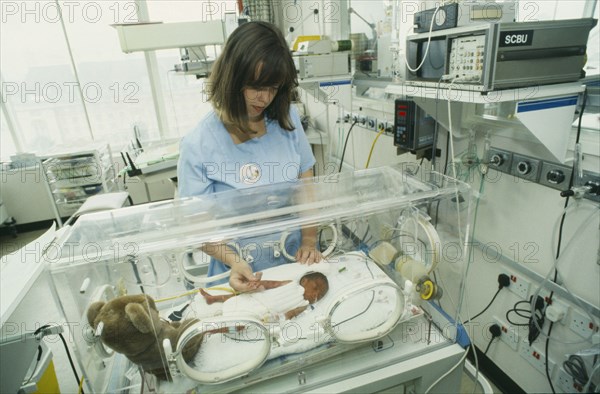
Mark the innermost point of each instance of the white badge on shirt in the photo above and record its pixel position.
(250, 173)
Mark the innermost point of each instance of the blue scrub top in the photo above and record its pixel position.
(210, 162)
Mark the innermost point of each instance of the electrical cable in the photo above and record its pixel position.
(62, 338)
(575, 366)
(484, 309)
(546, 356)
(590, 387)
(496, 332)
(560, 233)
(536, 320)
(437, 8)
(460, 362)
(560, 227)
(518, 312)
(579, 230)
(80, 387)
(373, 147)
(346, 144)
(488, 345)
(37, 361)
(358, 314)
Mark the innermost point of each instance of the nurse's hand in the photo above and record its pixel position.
(242, 279)
(308, 254)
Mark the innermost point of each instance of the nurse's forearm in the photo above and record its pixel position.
(309, 236)
(223, 253)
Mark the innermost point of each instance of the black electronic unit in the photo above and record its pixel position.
(465, 13)
(413, 127)
(445, 18)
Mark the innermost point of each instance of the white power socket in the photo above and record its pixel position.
(509, 335)
(581, 324)
(565, 382)
(519, 286)
(536, 358)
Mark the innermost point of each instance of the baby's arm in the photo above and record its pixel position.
(215, 298)
(294, 312)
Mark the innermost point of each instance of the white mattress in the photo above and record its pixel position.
(346, 273)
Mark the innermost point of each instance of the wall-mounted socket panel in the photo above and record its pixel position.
(580, 323)
(381, 125)
(519, 286)
(565, 382)
(499, 160)
(546, 173)
(525, 167)
(509, 334)
(556, 176)
(536, 357)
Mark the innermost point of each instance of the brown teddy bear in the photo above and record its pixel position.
(133, 328)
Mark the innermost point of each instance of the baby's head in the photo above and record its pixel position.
(315, 286)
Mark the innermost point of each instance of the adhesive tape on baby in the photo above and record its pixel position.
(383, 254)
(410, 268)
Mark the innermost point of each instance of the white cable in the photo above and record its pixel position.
(437, 8)
(163, 360)
(586, 389)
(462, 359)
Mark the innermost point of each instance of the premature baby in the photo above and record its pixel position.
(282, 300)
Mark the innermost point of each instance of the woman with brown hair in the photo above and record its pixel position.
(253, 136)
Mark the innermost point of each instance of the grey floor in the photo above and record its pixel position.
(64, 373)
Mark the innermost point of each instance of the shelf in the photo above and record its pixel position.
(73, 177)
(546, 112)
(464, 93)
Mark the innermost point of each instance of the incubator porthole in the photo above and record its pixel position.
(151, 270)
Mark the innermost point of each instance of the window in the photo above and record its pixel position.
(113, 83)
(38, 81)
(7, 145)
(40, 84)
(183, 95)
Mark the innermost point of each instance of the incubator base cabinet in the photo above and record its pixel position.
(386, 234)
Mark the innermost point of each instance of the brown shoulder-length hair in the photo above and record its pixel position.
(255, 55)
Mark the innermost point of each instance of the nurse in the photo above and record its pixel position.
(252, 136)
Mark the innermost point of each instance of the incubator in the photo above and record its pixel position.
(393, 240)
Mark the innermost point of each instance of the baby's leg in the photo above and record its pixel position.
(273, 284)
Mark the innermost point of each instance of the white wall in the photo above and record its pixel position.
(515, 218)
(516, 223)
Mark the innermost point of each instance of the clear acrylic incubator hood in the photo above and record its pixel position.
(383, 232)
